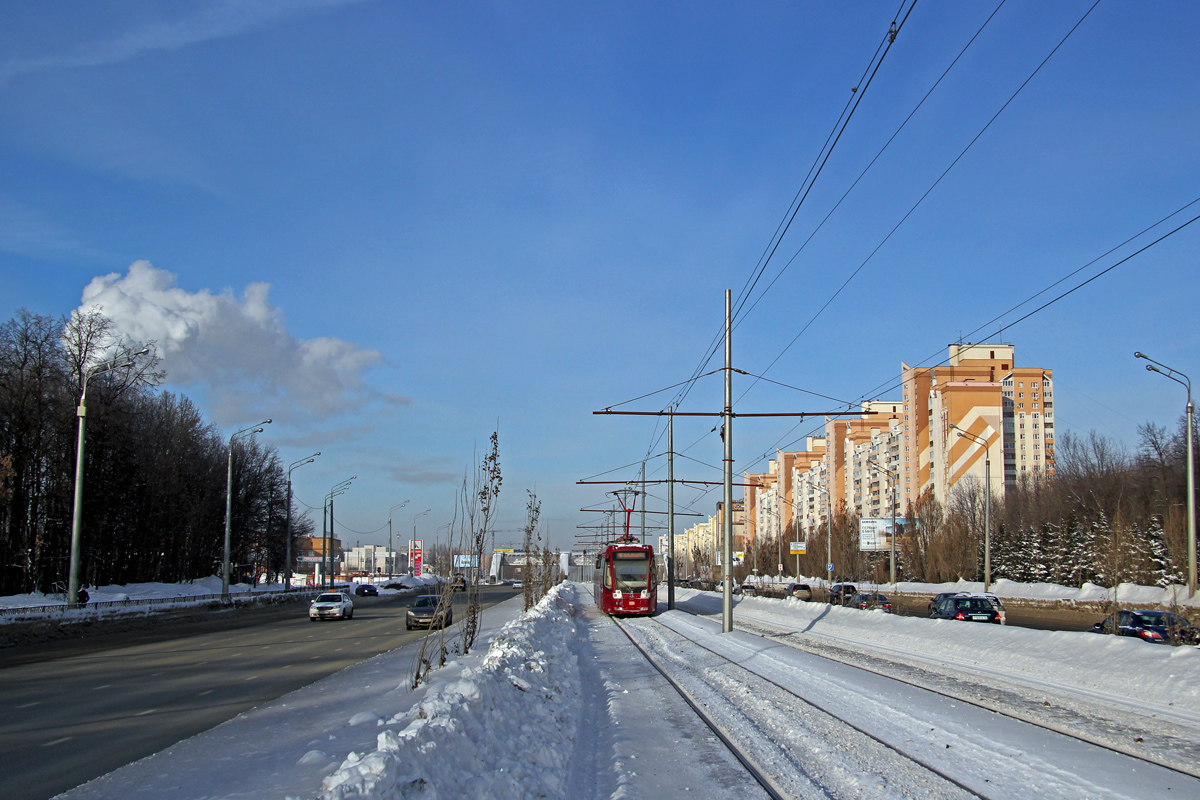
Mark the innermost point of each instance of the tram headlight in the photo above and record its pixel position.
(645, 594)
(617, 594)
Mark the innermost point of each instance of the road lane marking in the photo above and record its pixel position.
(210, 691)
(105, 686)
(252, 677)
(30, 705)
(310, 658)
(144, 713)
(58, 741)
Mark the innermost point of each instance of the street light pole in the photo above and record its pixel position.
(391, 552)
(336, 490)
(828, 534)
(987, 505)
(287, 557)
(1191, 464)
(893, 479)
(77, 511)
(253, 429)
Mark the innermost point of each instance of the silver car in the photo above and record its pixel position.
(331, 605)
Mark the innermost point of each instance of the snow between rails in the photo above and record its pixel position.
(503, 730)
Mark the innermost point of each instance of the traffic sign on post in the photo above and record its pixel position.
(799, 548)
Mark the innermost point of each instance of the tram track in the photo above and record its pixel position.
(773, 784)
(978, 702)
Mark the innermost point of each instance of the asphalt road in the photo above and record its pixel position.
(77, 710)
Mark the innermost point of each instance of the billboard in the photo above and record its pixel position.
(875, 533)
(415, 548)
(466, 561)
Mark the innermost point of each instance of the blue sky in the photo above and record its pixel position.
(393, 226)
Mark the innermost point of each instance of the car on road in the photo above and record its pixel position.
(518, 584)
(460, 583)
(366, 590)
(331, 605)
(800, 591)
(428, 611)
(870, 601)
(1159, 627)
(748, 589)
(839, 593)
(968, 608)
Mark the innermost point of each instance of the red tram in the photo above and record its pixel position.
(625, 579)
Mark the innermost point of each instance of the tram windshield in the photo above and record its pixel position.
(631, 568)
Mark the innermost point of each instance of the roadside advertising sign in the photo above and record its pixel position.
(799, 548)
(415, 552)
(465, 561)
(875, 533)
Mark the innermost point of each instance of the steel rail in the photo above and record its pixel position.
(782, 638)
(755, 771)
(944, 776)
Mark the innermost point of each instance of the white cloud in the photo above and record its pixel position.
(217, 20)
(236, 348)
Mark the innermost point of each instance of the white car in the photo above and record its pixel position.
(331, 605)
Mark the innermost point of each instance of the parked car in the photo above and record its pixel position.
(428, 611)
(366, 590)
(969, 608)
(748, 589)
(801, 591)
(870, 600)
(331, 605)
(839, 593)
(1160, 627)
(938, 598)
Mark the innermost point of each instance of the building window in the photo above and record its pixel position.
(1020, 394)
(1021, 384)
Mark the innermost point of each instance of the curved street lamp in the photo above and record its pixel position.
(391, 552)
(244, 432)
(1191, 460)
(287, 559)
(77, 510)
(987, 504)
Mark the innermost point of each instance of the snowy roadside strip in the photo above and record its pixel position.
(505, 729)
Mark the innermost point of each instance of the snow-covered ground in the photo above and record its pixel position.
(556, 703)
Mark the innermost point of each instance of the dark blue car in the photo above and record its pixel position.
(1159, 627)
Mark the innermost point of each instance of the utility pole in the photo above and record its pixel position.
(727, 435)
(670, 510)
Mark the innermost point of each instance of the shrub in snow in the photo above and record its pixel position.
(503, 730)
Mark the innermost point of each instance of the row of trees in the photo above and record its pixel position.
(154, 491)
(1107, 516)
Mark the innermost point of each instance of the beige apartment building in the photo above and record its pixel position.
(913, 445)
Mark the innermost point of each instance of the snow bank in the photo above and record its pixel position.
(504, 730)
(1149, 596)
(1106, 666)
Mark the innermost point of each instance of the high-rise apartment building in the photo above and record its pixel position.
(913, 445)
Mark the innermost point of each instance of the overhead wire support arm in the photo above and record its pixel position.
(839, 413)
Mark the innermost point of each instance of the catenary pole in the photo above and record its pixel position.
(670, 511)
(727, 520)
